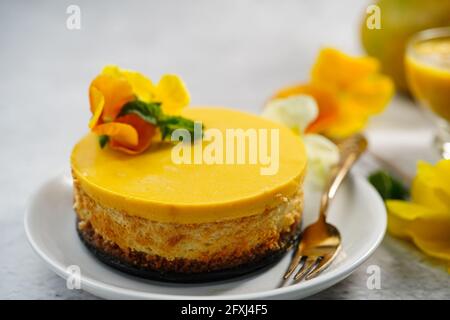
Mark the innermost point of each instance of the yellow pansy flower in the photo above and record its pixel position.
(113, 88)
(348, 90)
(107, 95)
(425, 219)
(172, 93)
(142, 86)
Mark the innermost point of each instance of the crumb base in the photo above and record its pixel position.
(134, 263)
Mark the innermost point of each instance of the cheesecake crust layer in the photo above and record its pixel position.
(172, 248)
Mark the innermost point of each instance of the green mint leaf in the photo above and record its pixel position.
(387, 186)
(103, 140)
(149, 112)
(169, 124)
(153, 114)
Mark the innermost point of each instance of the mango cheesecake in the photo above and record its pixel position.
(204, 209)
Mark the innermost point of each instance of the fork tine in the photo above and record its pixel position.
(320, 267)
(323, 264)
(307, 267)
(296, 261)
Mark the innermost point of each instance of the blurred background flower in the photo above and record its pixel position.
(425, 219)
(347, 89)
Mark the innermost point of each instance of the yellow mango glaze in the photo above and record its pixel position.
(152, 186)
(428, 73)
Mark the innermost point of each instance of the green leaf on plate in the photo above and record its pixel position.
(387, 186)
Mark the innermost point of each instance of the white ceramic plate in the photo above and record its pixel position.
(357, 211)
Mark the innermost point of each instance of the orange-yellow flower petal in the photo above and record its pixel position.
(369, 96)
(348, 90)
(428, 229)
(363, 99)
(97, 102)
(339, 71)
(172, 93)
(142, 87)
(426, 219)
(347, 123)
(360, 90)
(351, 117)
(122, 133)
(431, 186)
(145, 132)
(116, 92)
(112, 70)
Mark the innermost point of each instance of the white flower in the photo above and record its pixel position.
(322, 156)
(297, 112)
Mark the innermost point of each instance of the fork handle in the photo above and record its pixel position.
(351, 150)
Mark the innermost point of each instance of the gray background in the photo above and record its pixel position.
(231, 53)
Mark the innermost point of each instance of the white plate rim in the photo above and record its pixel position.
(332, 277)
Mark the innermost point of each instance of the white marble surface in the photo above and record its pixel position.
(233, 53)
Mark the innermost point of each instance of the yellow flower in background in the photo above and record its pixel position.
(111, 90)
(348, 90)
(425, 219)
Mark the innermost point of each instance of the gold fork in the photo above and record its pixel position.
(320, 242)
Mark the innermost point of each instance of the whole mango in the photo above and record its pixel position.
(399, 20)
